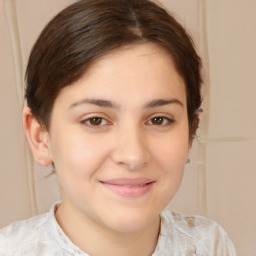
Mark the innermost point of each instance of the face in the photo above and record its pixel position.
(119, 138)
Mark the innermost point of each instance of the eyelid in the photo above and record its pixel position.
(169, 119)
(85, 120)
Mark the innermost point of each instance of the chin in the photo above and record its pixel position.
(131, 221)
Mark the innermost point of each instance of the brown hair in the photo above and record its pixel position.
(88, 29)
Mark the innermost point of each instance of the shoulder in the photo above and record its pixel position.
(197, 232)
(34, 236)
(18, 228)
(191, 223)
(20, 235)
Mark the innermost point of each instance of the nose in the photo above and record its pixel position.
(131, 150)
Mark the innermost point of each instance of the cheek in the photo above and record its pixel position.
(80, 157)
(171, 157)
(172, 153)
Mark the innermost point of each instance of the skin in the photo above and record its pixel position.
(124, 142)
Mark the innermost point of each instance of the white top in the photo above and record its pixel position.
(181, 235)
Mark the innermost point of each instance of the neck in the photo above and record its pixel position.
(88, 235)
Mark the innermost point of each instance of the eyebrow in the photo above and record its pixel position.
(162, 102)
(110, 104)
(97, 102)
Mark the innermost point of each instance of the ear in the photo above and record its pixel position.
(193, 128)
(38, 138)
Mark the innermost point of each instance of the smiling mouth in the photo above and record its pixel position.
(129, 188)
(131, 185)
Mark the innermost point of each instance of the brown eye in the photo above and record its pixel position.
(157, 120)
(160, 121)
(95, 121)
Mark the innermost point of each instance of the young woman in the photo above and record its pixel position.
(113, 92)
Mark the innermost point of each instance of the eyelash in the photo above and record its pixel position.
(86, 121)
(167, 121)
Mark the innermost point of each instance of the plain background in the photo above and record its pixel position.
(220, 181)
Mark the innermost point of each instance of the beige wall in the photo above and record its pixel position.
(220, 180)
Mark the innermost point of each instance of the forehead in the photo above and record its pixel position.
(139, 72)
(130, 57)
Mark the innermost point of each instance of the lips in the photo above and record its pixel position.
(129, 187)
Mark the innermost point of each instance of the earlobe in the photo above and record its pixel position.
(38, 138)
